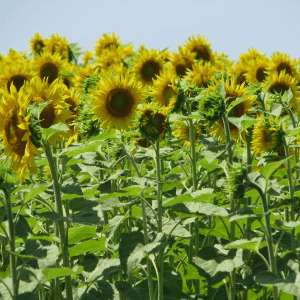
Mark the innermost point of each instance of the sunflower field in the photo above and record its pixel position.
(148, 174)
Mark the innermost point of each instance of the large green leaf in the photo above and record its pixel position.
(127, 290)
(268, 170)
(88, 246)
(61, 272)
(77, 234)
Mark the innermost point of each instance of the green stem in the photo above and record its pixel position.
(159, 225)
(268, 232)
(227, 136)
(13, 267)
(60, 223)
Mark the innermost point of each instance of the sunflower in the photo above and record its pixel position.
(38, 91)
(48, 66)
(233, 91)
(147, 66)
(14, 73)
(238, 72)
(15, 134)
(73, 101)
(201, 73)
(257, 70)
(108, 59)
(81, 73)
(181, 61)
(37, 44)
(87, 56)
(278, 84)
(115, 100)
(200, 46)
(182, 132)
(164, 90)
(152, 122)
(281, 62)
(59, 45)
(222, 62)
(267, 136)
(109, 42)
(252, 54)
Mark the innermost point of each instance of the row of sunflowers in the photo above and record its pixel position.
(148, 174)
(114, 81)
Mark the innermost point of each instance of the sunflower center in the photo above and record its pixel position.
(66, 82)
(14, 135)
(284, 66)
(168, 94)
(150, 70)
(201, 53)
(49, 70)
(260, 74)
(241, 78)
(181, 69)
(279, 87)
(119, 102)
(17, 80)
(73, 108)
(48, 115)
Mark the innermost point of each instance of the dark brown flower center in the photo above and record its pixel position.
(284, 66)
(181, 69)
(119, 102)
(241, 78)
(14, 135)
(50, 71)
(260, 74)
(168, 93)
(48, 114)
(201, 53)
(279, 87)
(73, 109)
(17, 80)
(150, 70)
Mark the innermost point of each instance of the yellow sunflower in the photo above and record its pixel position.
(37, 44)
(15, 134)
(81, 73)
(57, 45)
(72, 99)
(164, 91)
(38, 91)
(233, 91)
(266, 137)
(200, 46)
(238, 72)
(147, 66)
(109, 42)
(87, 56)
(14, 73)
(257, 70)
(48, 66)
(109, 58)
(281, 62)
(252, 54)
(181, 61)
(152, 122)
(282, 83)
(115, 100)
(201, 73)
(222, 62)
(182, 132)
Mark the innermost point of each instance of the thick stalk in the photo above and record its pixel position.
(272, 257)
(11, 229)
(159, 225)
(60, 223)
(144, 215)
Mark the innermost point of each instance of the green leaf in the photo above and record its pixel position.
(53, 273)
(88, 246)
(128, 191)
(48, 132)
(105, 268)
(234, 104)
(77, 234)
(35, 191)
(253, 245)
(76, 149)
(268, 170)
(126, 290)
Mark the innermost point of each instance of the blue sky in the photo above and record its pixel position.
(231, 26)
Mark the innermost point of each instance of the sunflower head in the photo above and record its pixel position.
(147, 66)
(182, 132)
(152, 122)
(200, 46)
(107, 42)
(57, 45)
(236, 181)
(37, 44)
(212, 107)
(115, 100)
(181, 61)
(267, 136)
(281, 62)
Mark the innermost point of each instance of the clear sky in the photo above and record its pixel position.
(231, 26)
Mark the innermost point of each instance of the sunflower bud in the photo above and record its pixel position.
(236, 181)
(212, 107)
(90, 83)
